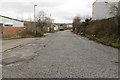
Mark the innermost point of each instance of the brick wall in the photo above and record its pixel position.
(12, 31)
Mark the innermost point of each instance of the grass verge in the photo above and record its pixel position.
(106, 40)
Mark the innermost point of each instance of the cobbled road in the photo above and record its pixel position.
(64, 55)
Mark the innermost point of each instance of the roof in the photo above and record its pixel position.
(11, 18)
(106, 1)
(9, 23)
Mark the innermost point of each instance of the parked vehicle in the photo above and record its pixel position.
(61, 28)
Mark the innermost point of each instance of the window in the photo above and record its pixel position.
(8, 24)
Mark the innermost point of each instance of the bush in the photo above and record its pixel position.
(106, 31)
(30, 33)
(82, 27)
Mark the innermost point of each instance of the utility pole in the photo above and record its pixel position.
(35, 21)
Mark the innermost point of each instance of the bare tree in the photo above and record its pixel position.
(49, 23)
(114, 8)
(76, 22)
(115, 11)
(43, 22)
(41, 16)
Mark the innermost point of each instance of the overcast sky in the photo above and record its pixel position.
(61, 10)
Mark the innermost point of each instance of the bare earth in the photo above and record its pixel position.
(61, 55)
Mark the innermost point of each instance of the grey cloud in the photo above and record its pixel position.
(26, 7)
(16, 7)
(63, 10)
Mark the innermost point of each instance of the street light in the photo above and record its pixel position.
(35, 21)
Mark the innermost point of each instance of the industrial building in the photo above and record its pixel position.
(10, 26)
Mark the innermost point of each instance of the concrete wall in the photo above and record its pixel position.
(102, 10)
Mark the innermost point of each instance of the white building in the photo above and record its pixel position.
(10, 22)
(103, 9)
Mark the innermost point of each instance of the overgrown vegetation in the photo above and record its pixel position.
(76, 23)
(105, 31)
(80, 29)
(41, 25)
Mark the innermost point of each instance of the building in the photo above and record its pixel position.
(103, 9)
(56, 27)
(69, 26)
(10, 26)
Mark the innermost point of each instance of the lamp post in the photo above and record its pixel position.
(35, 21)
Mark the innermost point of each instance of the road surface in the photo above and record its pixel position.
(7, 44)
(63, 55)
